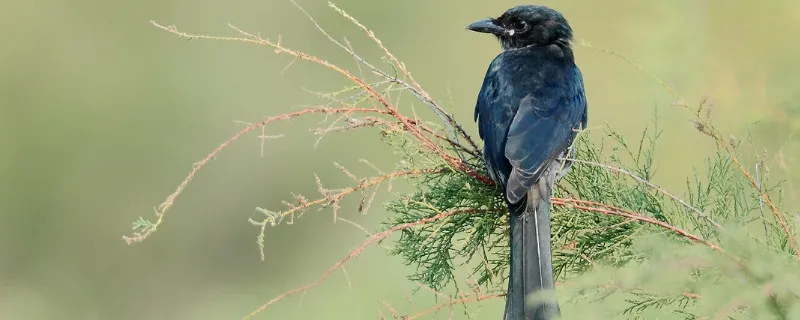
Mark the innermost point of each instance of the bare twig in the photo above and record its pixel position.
(355, 252)
(409, 125)
(327, 199)
(702, 123)
(651, 185)
(164, 206)
(453, 302)
(608, 209)
(417, 89)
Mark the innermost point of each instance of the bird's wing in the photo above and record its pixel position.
(527, 119)
(494, 115)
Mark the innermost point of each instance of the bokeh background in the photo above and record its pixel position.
(102, 115)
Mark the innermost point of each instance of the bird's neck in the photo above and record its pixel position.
(559, 49)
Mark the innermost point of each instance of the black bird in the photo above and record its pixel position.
(529, 109)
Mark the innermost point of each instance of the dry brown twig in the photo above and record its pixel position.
(328, 198)
(355, 252)
(703, 124)
(652, 186)
(164, 206)
(591, 206)
(452, 303)
(417, 130)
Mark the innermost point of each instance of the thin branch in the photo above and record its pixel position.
(409, 125)
(453, 302)
(355, 252)
(608, 209)
(164, 206)
(651, 185)
(417, 88)
(703, 124)
(327, 199)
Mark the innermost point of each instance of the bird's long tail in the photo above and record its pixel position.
(531, 258)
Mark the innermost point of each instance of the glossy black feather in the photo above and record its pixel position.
(529, 108)
(530, 105)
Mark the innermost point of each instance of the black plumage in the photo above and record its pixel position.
(529, 109)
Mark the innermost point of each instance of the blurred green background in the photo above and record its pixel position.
(102, 115)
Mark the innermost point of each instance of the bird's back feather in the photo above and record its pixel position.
(530, 105)
(529, 108)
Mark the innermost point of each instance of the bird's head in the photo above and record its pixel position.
(526, 25)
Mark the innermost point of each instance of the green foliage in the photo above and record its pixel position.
(142, 224)
(610, 265)
(581, 239)
(436, 247)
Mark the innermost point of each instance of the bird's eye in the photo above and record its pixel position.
(519, 25)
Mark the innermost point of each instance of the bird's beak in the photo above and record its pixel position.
(486, 26)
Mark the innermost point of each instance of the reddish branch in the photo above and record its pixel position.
(164, 206)
(453, 302)
(409, 125)
(355, 252)
(334, 198)
(703, 124)
(608, 209)
(763, 194)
